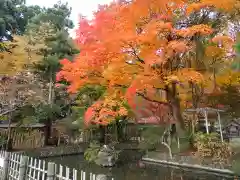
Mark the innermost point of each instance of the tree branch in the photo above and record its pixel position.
(135, 54)
(148, 99)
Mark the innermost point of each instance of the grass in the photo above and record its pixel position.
(236, 164)
(185, 148)
(235, 145)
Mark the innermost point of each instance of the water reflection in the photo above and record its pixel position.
(136, 170)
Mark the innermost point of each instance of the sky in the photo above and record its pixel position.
(84, 7)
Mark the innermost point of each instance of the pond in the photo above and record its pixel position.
(134, 170)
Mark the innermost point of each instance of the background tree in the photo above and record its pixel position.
(14, 17)
(18, 56)
(50, 29)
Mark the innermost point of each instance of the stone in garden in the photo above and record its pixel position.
(106, 156)
(101, 177)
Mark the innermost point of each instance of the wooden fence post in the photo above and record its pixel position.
(5, 165)
(23, 168)
(51, 171)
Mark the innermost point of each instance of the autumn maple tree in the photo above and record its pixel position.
(138, 46)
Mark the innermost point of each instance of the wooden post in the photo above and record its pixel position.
(91, 176)
(23, 168)
(220, 125)
(206, 120)
(75, 174)
(51, 171)
(5, 165)
(94, 177)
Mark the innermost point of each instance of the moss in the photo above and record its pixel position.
(236, 163)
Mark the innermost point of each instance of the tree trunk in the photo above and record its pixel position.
(50, 91)
(116, 131)
(120, 129)
(174, 103)
(50, 102)
(177, 114)
(165, 142)
(102, 134)
(214, 78)
(9, 133)
(194, 120)
(48, 131)
(199, 53)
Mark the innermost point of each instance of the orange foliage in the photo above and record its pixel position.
(225, 5)
(200, 29)
(105, 112)
(132, 43)
(224, 41)
(213, 51)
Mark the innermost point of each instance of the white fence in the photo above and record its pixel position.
(14, 166)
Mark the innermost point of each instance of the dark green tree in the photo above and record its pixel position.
(50, 28)
(14, 16)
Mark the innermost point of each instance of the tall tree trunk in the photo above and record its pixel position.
(116, 131)
(50, 102)
(195, 105)
(48, 131)
(214, 78)
(174, 102)
(9, 132)
(120, 133)
(102, 134)
(165, 141)
(50, 91)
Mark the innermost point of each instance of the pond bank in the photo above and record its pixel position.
(70, 149)
(57, 151)
(186, 162)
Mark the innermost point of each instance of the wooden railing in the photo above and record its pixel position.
(14, 166)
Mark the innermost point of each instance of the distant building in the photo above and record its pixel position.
(232, 129)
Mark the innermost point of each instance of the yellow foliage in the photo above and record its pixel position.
(213, 51)
(229, 78)
(18, 57)
(189, 75)
(225, 5)
(201, 29)
(195, 7)
(120, 73)
(210, 146)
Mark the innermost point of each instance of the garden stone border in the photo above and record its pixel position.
(187, 162)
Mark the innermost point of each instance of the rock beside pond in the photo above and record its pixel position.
(101, 177)
(107, 156)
